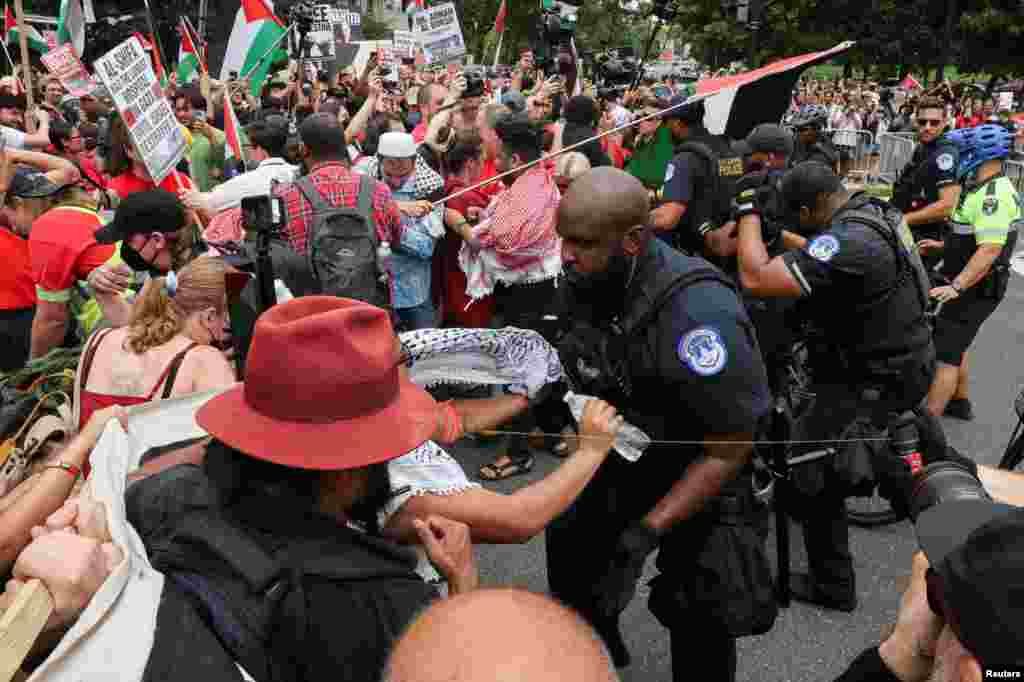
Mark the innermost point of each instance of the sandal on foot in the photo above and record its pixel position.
(514, 467)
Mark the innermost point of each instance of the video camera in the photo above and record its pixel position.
(556, 27)
(474, 84)
(614, 69)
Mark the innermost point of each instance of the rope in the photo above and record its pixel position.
(537, 434)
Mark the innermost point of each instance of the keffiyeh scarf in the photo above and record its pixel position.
(428, 182)
(516, 242)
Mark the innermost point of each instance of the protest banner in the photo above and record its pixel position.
(439, 35)
(128, 73)
(405, 43)
(69, 70)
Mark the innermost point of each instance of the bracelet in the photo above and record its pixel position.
(64, 466)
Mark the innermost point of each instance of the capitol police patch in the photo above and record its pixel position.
(703, 351)
(990, 206)
(944, 161)
(670, 170)
(823, 248)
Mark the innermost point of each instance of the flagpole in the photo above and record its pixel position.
(196, 44)
(26, 64)
(156, 36)
(14, 68)
(273, 46)
(497, 52)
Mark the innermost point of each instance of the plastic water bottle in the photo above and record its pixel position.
(384, 261)
(630, 442)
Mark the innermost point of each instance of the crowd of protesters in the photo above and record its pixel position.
(99, 256)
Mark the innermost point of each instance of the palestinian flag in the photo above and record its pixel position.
(190, 61)
(255, 30)
(735, 104)
(71, 25)
(232, 132)
(35, 39)
(414, 6)
(154, 55)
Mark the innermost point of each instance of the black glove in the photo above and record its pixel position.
(616, 589)
(748, 188)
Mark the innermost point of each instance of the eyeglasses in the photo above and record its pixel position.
(929, 123)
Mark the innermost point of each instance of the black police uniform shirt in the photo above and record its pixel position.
(708, 375)
(932, 167)
(846, 266)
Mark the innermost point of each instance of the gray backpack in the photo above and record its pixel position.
(342, 246)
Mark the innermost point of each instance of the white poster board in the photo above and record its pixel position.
(439, 34)
(405, 44)
(128, 73)
(69, 70)
(319, 45)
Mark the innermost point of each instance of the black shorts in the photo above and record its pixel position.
(15, 338)
(957, 325)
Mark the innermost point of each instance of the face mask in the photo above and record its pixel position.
(136, 262)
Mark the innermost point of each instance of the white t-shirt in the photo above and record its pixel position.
(253, 183)
(13, 138)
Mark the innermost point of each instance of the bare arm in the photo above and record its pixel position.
(41, 137)
(496, 518)
(702, 481)
(1004, 486)
(761, 274)
(48, 327)
(667, 216)
(58, 171)
(978, 266)
(358, 122)
(942, 209)
(211, 370)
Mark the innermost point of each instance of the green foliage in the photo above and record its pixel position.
(374, 28)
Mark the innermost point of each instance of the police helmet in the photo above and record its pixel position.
(980, 144)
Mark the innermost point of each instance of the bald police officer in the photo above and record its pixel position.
(666, 337)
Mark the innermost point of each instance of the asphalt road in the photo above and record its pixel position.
(806, 643)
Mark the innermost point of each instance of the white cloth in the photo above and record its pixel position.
(113, 637)
(254, 183)
(13, 138)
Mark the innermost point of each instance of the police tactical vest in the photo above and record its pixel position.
(711, 204)
(616, 360)
(891, 321)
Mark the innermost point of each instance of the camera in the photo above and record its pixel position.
(474, 84)
(556, 27)
(615, 71)
(263, 214)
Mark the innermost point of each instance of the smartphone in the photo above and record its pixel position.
(199, 117)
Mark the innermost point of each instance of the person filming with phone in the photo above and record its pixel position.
(206, 153)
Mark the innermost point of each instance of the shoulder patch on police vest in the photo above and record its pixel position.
(990, 205)
(823, 248)
(703, 351)
(944, 161)
(670, 170)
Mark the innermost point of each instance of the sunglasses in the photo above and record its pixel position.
(929, 122)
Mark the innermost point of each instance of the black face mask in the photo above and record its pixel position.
(600, 287)
(136, 262)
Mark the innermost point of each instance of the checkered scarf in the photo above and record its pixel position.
(519, 225)
(427, 181)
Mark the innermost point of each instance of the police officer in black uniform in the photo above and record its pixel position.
(810, 144)
(666, 337)
(864, 287)
(927, 190)
(699, 183)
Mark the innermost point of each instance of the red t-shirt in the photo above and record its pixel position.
(126, 183)
(63, 250)
(17, 290)
(419, 133)
(489, 170)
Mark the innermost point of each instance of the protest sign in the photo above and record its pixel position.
(128, 73)
(319, 45)
(405, 43)
(439, 35)
(69, 70)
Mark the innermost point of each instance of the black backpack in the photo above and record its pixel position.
(248, 587)
(342, 246)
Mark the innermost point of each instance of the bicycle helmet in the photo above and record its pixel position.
(980, 144)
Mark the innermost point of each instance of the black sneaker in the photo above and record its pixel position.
(803, 588)
(959, 408)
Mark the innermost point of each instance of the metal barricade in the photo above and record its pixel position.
(894, 153)
(855, 153)
(1015, 171)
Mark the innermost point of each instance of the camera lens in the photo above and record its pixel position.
(943, 482)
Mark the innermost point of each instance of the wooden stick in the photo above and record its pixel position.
(23, 621)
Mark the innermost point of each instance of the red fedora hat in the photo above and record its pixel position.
(322, 390)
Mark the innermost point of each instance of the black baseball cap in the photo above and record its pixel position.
(975, 549)
(770, 138)
(802, 185)
(691, 113)
(29, 183)
(146, 212)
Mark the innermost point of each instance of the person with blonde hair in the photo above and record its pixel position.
(568, 167)
(170, 345)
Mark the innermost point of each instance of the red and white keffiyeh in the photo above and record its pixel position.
(516, 241)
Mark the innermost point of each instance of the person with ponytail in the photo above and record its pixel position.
(171, 345)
